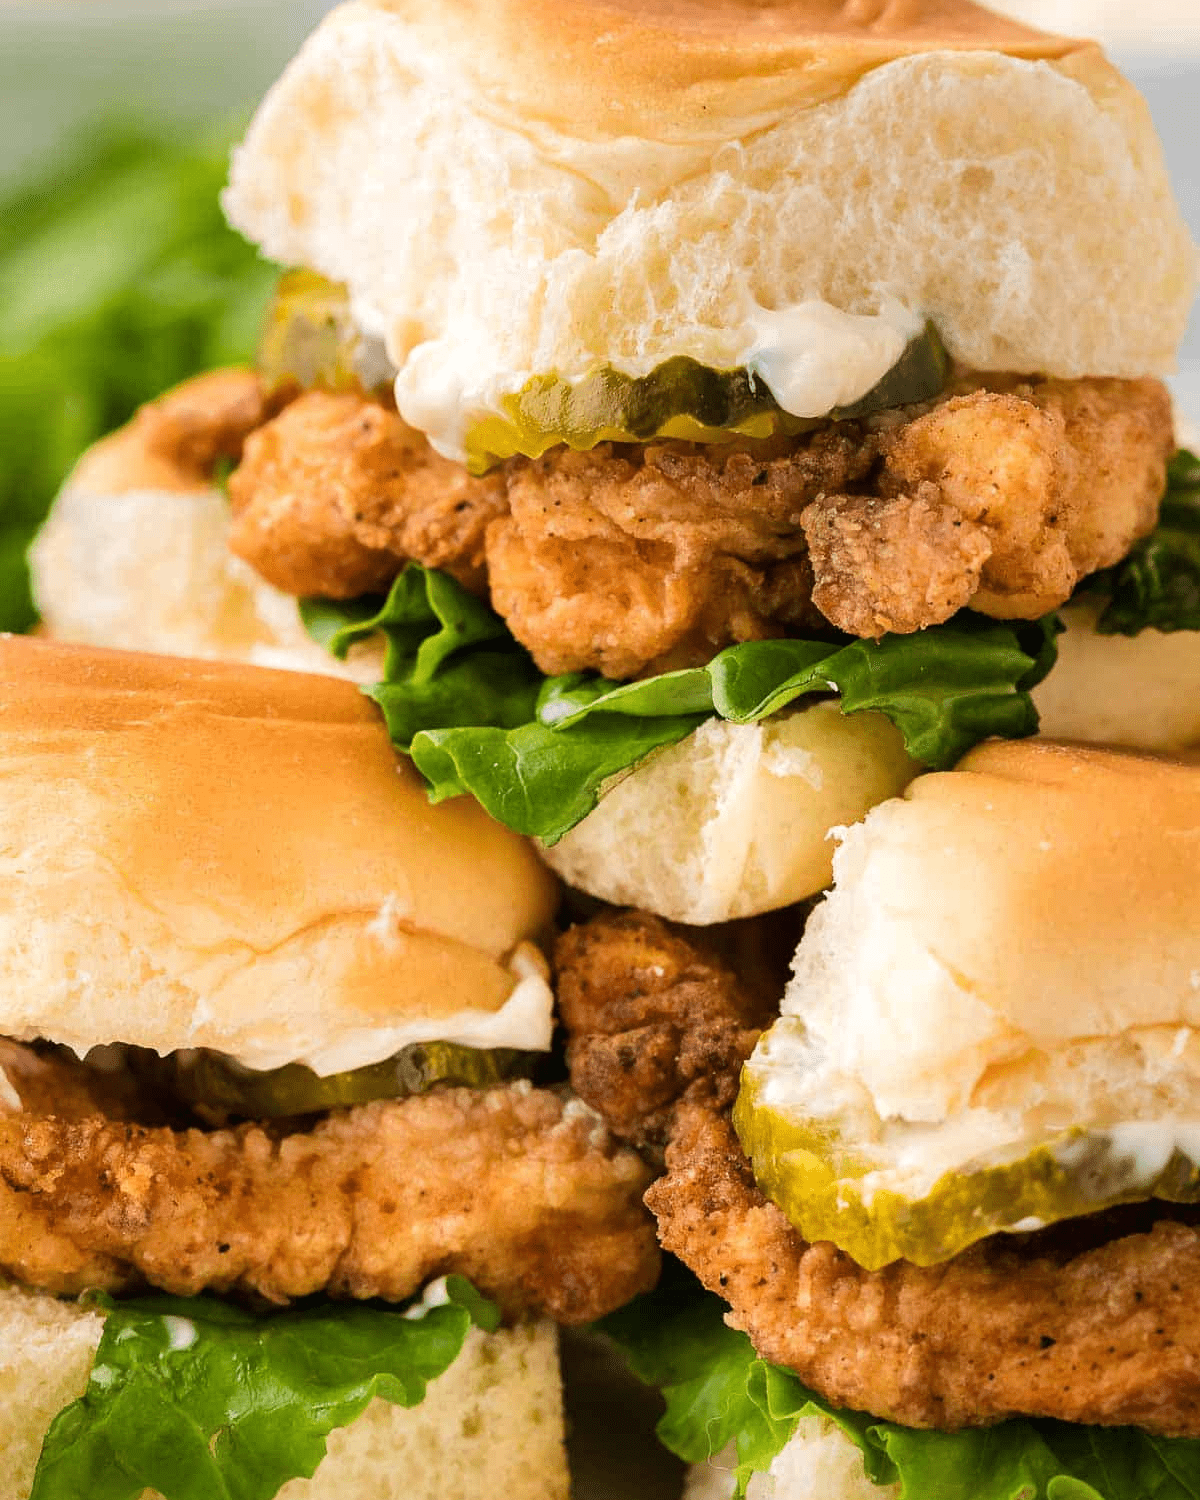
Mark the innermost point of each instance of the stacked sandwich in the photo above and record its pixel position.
(694, 425)
(270, 1028)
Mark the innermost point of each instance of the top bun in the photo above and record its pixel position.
(1019, 934)
(689, 70)
(522, 187)
(201, 855)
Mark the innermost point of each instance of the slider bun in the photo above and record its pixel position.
(1139, 691)
(688, 69)
(819, 1462)
(1016, 935)
(737, 818)
(203, 855)
(496, 1411)
(134, 554)
(517, 186)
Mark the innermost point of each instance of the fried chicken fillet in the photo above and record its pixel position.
(740, 381)
(1093, 1322)
(227, 869)
(520, 1190)
(1001, 496)
(660, 328)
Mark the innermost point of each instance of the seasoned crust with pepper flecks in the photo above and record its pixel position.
(1094, 1323)
(521, 1190)
(631, 558)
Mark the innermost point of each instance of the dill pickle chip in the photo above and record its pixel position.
(863, 1196)
(221, 1086)
(310, 337)
(920, 374)
(678, 399)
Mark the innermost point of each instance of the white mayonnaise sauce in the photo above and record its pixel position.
(814, 357)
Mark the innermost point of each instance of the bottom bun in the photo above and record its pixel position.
(491, 1425)
(151, 570)
(1140, 692)
(736, 820)
(819, 1463)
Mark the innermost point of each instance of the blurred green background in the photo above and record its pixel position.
(118, 277)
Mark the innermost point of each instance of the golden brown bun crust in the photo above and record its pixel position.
(215, 855)
(683, 64)
(666, 183)
(1013, 941)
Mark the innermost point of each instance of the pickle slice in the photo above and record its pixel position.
(220, 1086)
(866, 1198)
(310, 337)
(678, 399)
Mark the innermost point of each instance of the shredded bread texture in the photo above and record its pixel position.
(492, 1424)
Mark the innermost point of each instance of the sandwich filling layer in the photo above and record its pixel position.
(992, 1022)
(762, 239)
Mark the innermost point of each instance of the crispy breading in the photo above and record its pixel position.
(1001, 498)
(653, 1018)
(625, 558)
(893, 564)
(1099, 1324)
(335, 494)
(521, 1190)
(177, 441)
(632, 558)
(47, 1081)
(1093, 1321)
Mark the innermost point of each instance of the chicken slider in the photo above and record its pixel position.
(269, 1023)
(709, 403)
(954, 1205)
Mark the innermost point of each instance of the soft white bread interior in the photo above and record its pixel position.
(151, 570)
(492, 1424)
(134, 554)
(206, 855)
(738, 818)
(1012, 948)
(46, 1353)
(519, 187)
(1139, 691)
(819, 1462)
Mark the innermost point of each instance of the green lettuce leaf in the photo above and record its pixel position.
(1157, 587)
(118, 278)
(200, 1400)
(469, 705)
(718, 1392)
(449, 660)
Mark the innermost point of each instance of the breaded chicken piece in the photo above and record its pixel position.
(1099, 1324)
(891, 564)
(633, 558)
(177, 441)
(628, 558)
(652, 1018)
(1002, 499)
(1094, 1321)
(337, 493)
(521, 1190)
